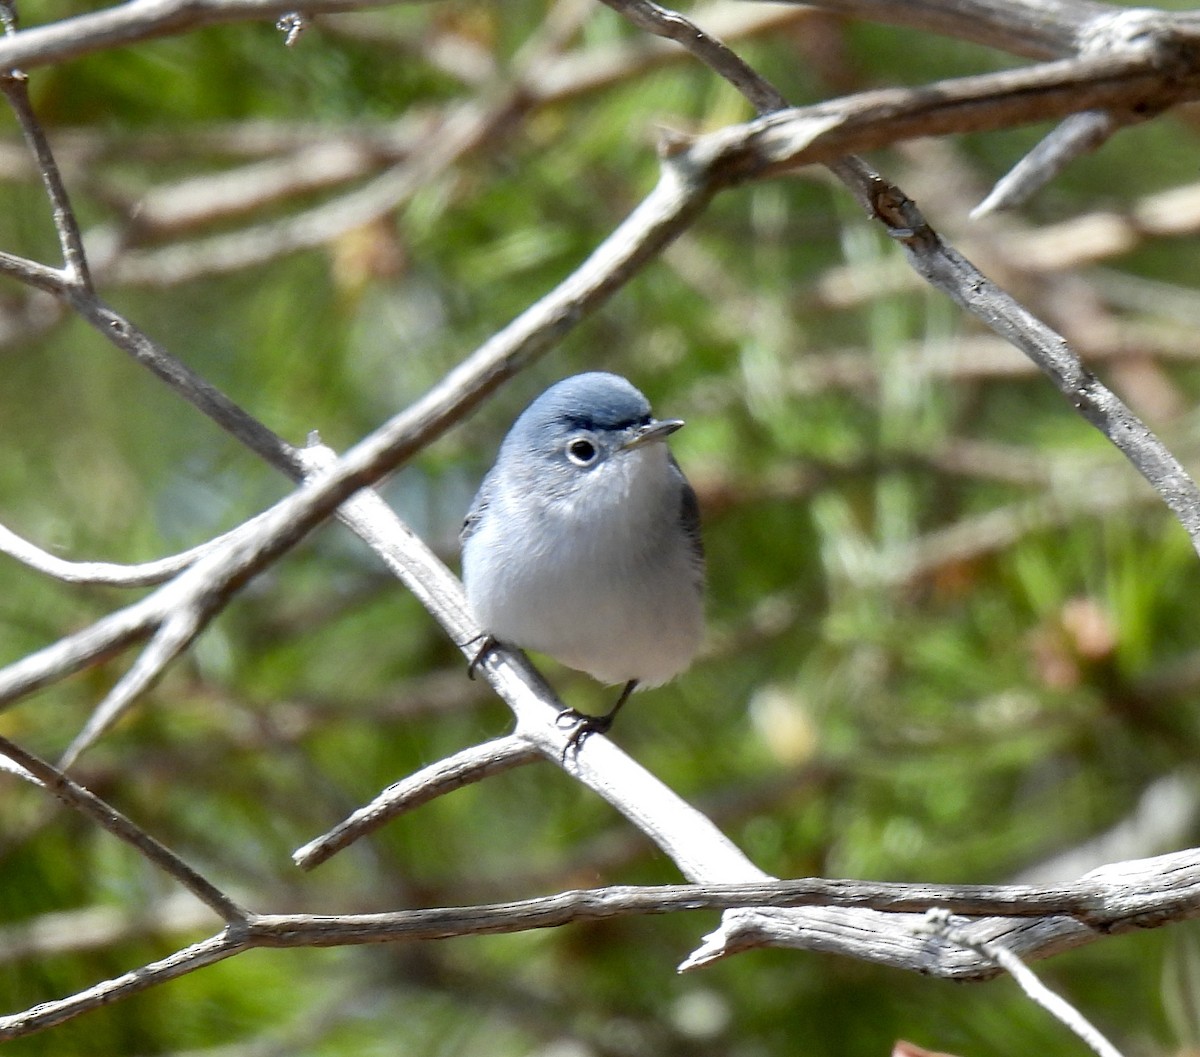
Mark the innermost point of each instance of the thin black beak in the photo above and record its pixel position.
(657, 430)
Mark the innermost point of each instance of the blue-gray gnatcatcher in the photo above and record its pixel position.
(584, 541)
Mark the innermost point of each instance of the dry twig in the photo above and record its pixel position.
(1156, 70)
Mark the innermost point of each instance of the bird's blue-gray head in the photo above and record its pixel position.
(576, 427)
(584, 542)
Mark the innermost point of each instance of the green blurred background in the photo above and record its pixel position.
(952, 635)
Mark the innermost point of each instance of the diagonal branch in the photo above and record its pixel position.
(939, 923)
(111, 820)
(691, 174)
(946, 269)
(454, 772)
(15, 86)
(175, 633)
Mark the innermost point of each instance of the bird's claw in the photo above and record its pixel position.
(487, 642)
(582, 727)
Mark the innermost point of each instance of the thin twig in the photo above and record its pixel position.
(1076, 135)
(15, 86)
(51, 280)
(454, 772)
(120, 826)
(206, 397)
(938, 922)
(671, 25)
(952, 273)
(111, 574)
(182, 623)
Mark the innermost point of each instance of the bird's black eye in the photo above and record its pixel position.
(581, 451)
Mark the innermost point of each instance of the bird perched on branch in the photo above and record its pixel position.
(584, 542)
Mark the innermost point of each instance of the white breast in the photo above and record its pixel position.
(602, 580)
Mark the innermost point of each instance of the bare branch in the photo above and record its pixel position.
(1122, 896)
(454, 772)
(179, 627)
(111, 820)
(939, 923)
(714, 53)
(140, 620)
(144, 19)
(112, 574)
(940, 265)
(15, 87)
(1040, 29)
(184, 381)
(1078, 134)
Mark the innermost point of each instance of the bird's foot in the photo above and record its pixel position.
(486, 644)
(582, 726)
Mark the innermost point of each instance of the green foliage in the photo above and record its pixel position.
(1006, 703)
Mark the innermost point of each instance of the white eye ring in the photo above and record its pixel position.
(582, 451)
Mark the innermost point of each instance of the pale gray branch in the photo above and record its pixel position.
(950, 272)
(1122, 896)
(1040, 29)
(112, 574)
(144, 19)
(111, 820)
(939, 923)
(1077, 135)
(181, 623)
(132, 624)
(454, 772)
(692, 172)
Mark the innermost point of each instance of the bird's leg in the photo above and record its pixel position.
(486, 643)
(584, 725)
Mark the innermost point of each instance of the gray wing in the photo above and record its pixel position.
(478, 506)
(689, 521)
